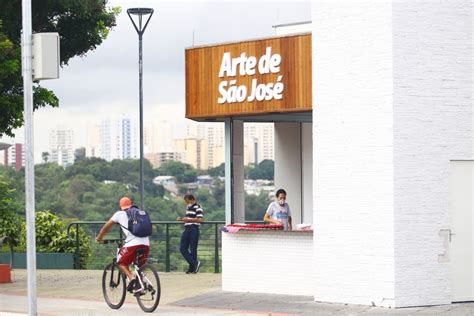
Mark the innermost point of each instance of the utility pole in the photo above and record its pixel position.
(140, 28)
(26, 56)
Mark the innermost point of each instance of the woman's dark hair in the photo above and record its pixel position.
(189, 197)
(280, 191)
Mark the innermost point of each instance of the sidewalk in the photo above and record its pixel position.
(78, 292)
(304, 305)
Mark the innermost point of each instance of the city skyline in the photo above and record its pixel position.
(106, 80)
(109, 139)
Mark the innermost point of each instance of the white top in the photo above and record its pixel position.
(120, 217)
(279, 212)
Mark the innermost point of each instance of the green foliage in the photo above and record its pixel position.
(79, 154)
(183, 172)
(51, 236)
(82, 25)
(264, 170)
(256, 205)
(9, 220)
(218, 171)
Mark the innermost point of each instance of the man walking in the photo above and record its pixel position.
(190, 237)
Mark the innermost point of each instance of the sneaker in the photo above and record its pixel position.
(198, 264)
(131, 285)
(137, 289)
(190, 269)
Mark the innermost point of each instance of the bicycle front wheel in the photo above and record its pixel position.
(113, 286)
(149, 297)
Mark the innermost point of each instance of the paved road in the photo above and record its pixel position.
(304, 305)
(71, 292)
(17, 305)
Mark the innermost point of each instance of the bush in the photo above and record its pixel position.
(51, 236)
(9, 219)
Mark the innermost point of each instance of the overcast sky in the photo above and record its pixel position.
(105, 81)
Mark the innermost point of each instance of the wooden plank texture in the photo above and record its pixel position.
(202, 78)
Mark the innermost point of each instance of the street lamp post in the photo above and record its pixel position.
(140, 28)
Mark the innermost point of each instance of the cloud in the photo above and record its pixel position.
(105, 81)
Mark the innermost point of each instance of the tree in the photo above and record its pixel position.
(256, 205)
(45, 156)
(264, 170)
(182, 171)
(9, 220)
(218, 171)
(79, 154)
(82, 26)
(99, 168)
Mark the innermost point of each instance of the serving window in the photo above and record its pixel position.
(292, 169)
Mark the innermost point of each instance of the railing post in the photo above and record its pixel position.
(168, 265)
(77, 253)
(216, 250)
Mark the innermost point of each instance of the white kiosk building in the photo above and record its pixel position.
(374, 142)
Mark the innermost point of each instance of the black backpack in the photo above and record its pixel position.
(139, 223)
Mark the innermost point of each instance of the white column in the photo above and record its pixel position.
(307, 172)
(288, 171)
(234, 171)
(353, 152)
(393, 104)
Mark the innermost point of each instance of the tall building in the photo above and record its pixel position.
(126, 138)
(158, 137)
(156, 159)
(61, 146)
(118, 139)
(213, 133)
(196, 151)
(93, 140)
(14, 156)
(258, 138)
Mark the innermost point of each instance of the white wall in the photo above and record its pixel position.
(268, 262)
(307, 174)
(393, 104)
(353, 152)
(288, 165)
(433, 123)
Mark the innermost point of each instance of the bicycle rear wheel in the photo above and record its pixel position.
(149, 298)
(113, 286)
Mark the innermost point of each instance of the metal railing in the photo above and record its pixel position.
(164, 245)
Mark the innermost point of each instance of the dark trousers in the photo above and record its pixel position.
(189, 244)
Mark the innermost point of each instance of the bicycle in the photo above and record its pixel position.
(114, 285)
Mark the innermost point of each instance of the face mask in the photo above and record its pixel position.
(281, 202)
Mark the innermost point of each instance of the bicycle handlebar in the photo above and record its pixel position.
(117, 241)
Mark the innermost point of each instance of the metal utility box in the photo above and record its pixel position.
(46, 56)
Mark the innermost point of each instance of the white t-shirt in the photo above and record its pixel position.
(279, 212)
(121, 218)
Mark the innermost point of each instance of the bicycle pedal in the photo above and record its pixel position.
(139, 293)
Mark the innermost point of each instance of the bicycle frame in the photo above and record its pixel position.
(112, 283)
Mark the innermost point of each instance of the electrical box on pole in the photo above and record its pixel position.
(46, 58)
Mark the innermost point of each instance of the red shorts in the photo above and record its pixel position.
(126, 255)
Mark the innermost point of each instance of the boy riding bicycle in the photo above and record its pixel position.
(126, 254)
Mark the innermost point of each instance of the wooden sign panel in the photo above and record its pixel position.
(256, 77)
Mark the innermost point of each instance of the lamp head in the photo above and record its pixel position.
(140, 13)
